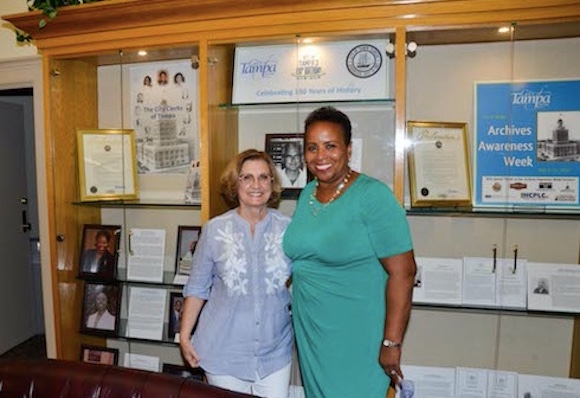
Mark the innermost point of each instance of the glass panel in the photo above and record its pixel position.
(475, 75)
(291, 78)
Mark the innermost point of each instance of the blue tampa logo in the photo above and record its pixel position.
(532, 99)
(257, 69)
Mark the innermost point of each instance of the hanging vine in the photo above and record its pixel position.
(49, 9)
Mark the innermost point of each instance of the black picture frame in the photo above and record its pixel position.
(185, 372)
(99, 355)
(288, 149)
(95, 264)
(176, 302)
(107, 322)
(187, 238)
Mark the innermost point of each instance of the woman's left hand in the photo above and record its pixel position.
(390, 360)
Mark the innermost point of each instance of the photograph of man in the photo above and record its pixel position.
(99, 305)
(542, 287)
(175, 313)
(291, 170)
(99, 256)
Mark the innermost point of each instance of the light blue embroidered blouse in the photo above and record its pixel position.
(245, 325)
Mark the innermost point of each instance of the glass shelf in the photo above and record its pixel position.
(273, 105)
(139, 204)
(494, 310)
(167, 282)
(496, 212)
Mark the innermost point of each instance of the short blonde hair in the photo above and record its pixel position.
(229, 179)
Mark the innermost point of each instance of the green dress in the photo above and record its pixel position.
(338, 286)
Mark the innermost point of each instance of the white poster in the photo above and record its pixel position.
(146, 255)
(164, 110)
(146, 313)
(330, 71)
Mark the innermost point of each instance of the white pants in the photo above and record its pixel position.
(275, 385)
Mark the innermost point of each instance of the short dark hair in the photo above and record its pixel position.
(332, 115)
(103, 233)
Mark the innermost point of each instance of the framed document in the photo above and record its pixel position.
(439, 164)
(183, 371)
(99, 355)
(187, 238)
(287, 152)
(175, 312)
(107, 165)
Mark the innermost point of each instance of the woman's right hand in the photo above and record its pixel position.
(188, 352)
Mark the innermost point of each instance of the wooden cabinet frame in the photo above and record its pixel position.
(95, 28)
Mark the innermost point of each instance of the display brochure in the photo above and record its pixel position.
(428, 382)
(146, 255)
(146, 314)
(436, 382)
(527, 149)
(485, 383)
(438, 280)
(489, 282)
(534, 386)
(554, 287)
(142, 362)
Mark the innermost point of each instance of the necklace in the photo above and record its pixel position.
(315, 209)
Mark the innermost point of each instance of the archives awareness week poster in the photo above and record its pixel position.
(527, 149)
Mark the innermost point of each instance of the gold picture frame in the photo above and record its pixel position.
(438, 159)
(107, 165)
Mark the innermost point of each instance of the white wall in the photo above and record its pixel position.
(10, 48)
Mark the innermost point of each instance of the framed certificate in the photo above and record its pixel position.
(439, 164)
(107, 165)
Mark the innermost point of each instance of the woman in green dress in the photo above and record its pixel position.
(353, 270)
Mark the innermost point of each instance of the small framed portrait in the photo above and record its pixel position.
(99, 355)
(187, 238)
(287, 152)
(98, 259)
(101, 309)
(175, 312)
(182, 371)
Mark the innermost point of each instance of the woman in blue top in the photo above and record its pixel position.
(243, 337)
(353, 270)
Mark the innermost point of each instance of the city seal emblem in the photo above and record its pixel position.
(364, 61)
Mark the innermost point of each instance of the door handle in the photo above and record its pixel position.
(25, 224)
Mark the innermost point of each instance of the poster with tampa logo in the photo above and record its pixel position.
(527, 149)
(323, 71)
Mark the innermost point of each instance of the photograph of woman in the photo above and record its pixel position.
(243, 337)
(350, 306)
(99, 257)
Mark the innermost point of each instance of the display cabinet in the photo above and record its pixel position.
(433, 55)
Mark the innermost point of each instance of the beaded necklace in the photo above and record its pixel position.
(312, 202)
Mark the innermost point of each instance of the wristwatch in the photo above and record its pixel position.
(389, 343)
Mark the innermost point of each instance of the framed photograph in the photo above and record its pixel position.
(107, 165)
(175, 311)
(439, 164)
(99, 355)
(187, 238)
(99, 252)
(101, 309)
(287, 152)
(182, 371)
